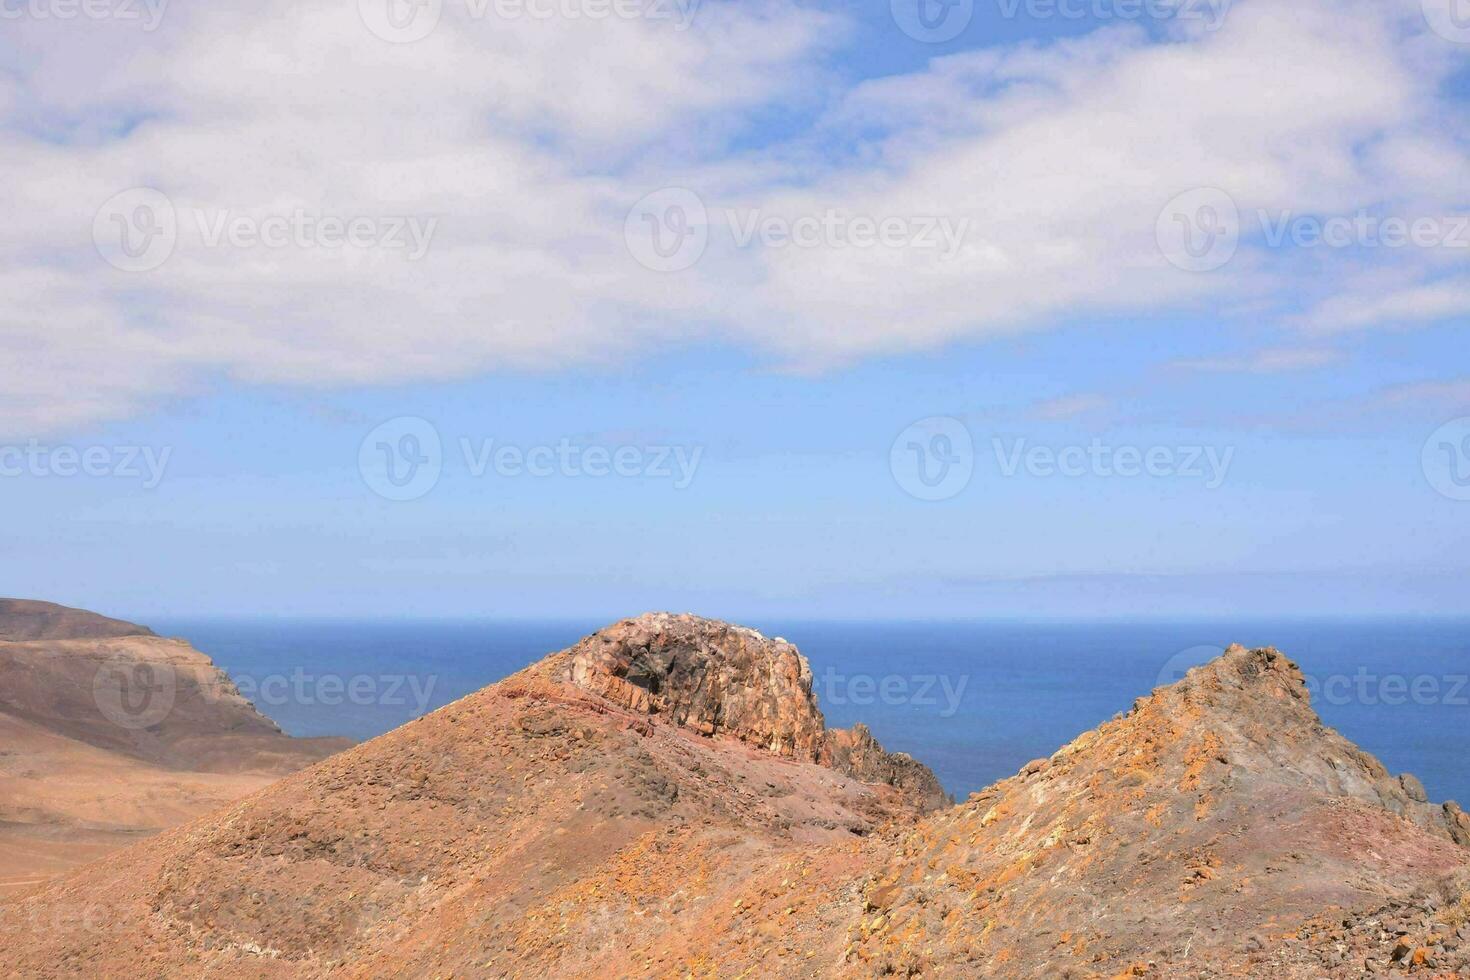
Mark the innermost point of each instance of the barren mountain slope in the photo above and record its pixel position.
(1198, 836)
(535, 828)
(109, 733)
(660, 800)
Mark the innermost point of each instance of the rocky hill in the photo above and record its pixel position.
(1217, 830)
(663, 799)
(109, 732)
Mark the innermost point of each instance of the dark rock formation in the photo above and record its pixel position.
(719, 679)
(856, 752)
(706, 675)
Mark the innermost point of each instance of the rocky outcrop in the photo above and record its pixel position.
(718, 679)
(856, 752)
(708, 676)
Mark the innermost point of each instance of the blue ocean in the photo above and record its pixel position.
(973, 700)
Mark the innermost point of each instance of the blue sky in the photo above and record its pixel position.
(777, 406)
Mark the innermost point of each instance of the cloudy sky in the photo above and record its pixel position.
(540, 307)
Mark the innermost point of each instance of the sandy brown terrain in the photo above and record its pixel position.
(109, 734)
(664, 800)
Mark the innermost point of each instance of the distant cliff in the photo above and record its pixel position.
(109, 732)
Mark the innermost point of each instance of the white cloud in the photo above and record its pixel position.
(1271, 360)
(1401, 307)
(528, 141)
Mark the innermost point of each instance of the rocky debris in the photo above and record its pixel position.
(1457, 822)
(1425, 932)
(28, 619)
(856, 752)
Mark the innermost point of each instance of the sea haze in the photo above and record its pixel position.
(973, 700)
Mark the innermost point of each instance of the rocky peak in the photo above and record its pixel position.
(1191, 836)
(1256, 703)
(706, 675)
(719, 679)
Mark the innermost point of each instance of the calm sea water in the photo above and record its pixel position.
(975, 701)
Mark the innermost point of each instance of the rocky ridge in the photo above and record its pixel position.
(691, 820)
